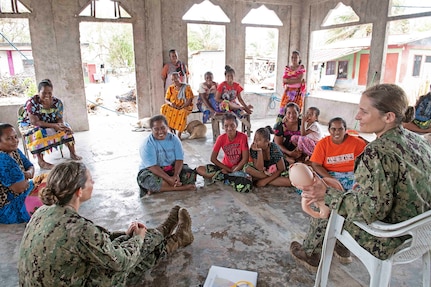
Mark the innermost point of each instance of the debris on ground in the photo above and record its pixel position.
(130, 96)
(92, 106)
(126, 107)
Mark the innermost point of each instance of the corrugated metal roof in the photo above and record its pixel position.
(320, 56)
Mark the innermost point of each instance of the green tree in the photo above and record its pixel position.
(205, 37)
(121, 51)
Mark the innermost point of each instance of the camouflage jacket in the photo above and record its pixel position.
(393, 185)
(61, 248)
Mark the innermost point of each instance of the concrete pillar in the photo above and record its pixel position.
(54, 31)
(147, 41)
(376, 68)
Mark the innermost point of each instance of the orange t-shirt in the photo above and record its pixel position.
(338, 157)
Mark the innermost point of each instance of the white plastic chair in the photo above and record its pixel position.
(419, 245)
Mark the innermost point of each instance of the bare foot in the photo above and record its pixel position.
(45, 165)
(75, 157)
(190, 187)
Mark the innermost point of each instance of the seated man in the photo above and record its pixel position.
(235, 147)
(162, 156)
(422, 120)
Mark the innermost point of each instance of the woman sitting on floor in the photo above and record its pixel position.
(162, 165)
(44, 114)
(178, 104)
(16, 172)
(268, 166)
(62, 248)
(285, 128)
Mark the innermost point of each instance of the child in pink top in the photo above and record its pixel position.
(311, 132)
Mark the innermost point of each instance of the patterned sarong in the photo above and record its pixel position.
(39, 139)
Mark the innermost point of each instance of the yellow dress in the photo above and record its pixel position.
(177, 118)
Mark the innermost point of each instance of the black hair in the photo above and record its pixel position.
(265, 132)
(157, 118)
(230, 116)
(316, 111)
(299, 55)
(337, 119)
(292, 104)
(44, 83)
(228, 69)
(4, 126)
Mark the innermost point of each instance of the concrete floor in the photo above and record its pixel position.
(245, 231)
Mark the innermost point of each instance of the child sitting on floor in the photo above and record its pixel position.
(311, 132)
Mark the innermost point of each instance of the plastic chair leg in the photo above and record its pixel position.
(426, 269)
(328, 250)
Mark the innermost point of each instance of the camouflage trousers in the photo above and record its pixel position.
(381, 248)
(153, 249)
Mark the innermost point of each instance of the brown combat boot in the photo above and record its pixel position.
(183, 236)
(309, 262)
(342, 253)
(168, 226)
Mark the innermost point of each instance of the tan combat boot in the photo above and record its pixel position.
(168, 226)
(183, 236)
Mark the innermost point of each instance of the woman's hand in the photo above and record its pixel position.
(62, 127)
(131, 228)
(332, 182)
(296, 153)
(255, 148)
(140, 229)
(315, 192)
(177, 181)
(171, 180)
(28, 174)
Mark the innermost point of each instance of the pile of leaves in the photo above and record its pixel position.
(16, 86)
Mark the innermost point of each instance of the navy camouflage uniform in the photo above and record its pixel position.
(393, 185)
(61, 248)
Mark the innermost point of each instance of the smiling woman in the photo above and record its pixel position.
(43, 118)
(334, 156)
(16, 172)
(162, 156)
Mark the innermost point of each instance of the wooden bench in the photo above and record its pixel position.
(217, 119)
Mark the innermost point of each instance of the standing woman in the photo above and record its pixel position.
(229, 91)
(45, 113)
(178, 104)
(175, 65)
(392, 180)
(16, 172)
(294, 84)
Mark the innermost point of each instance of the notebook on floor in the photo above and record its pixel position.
(227, 277)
